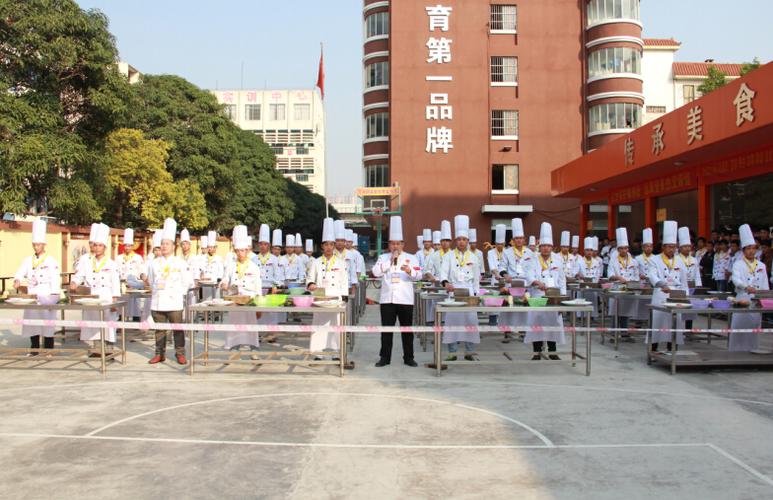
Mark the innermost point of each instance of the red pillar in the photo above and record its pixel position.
(583, 220)
(611, 221)
(649, 215)
(704, 210)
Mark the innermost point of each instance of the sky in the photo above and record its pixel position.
(207, 42)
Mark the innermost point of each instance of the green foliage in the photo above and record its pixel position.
(713, 81)
(309, 212)
(748, 67)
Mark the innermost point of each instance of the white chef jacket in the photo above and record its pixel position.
(423, 257)
(692, 267)
(130, 264)
(481, 260)
(295, 270)
(169, 278)
(434, 263)
(351, 267)
(214, 267)
(331, 275)
(568, 263)
(673, 276)
(270, 271)
(496, 261)
(552, 276)
(721, 266)
(396, 284)
(628, 269)
(102, 276)
(644, 263)
(517, 263)
(592, 269)
(43, 279)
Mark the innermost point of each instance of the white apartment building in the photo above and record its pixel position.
(670, 84)
(291, 122)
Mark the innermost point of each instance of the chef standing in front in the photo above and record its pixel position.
(749, 277)
(397, 270)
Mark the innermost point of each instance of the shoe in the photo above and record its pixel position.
(451, 358)
(158, 358)
(536, 357)
(468, 357)
(254, 357)
(554, 357)
(381, 363)
(181, 359)
(95, 355)
(411, 363)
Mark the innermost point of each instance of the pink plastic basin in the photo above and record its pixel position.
(303, 301)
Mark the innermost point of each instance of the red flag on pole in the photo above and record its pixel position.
(321, 73)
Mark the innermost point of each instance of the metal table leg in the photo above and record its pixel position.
(587, 343)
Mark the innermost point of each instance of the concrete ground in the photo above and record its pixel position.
(531, 430)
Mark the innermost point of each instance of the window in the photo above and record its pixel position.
(302, 111)
(252, 111)
(377, 24)
(276, 112)
(377, 74)
(608, 10)
(301, 150)
(503, 18)
(377, 176)
(504, 178)
(656, 109)
(614, 60)
(688, 91)
(377, 125)
(230, 111)
(504, 124)
(302, 178)
(504, 70)
(618, 115)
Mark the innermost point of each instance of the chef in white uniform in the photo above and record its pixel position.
(343, 255)
(131, 267)
(496, 255)
(478, 253)
(103, 278)
(644, 259)
(193, 263)
(397, 270)
(590, 267)
(623, 269)
(42, 274)
(435, 261)
(666, 274)
(276, 249)
(460, 270)
(749, 276)
(517, 258)
(692, 265)
(575, 256)
(545, 272)
(214, 267)
(565, 254)
(327, 272)
(294, 268)
(426, 250)
(83, 261)
(244, 275)
(533, 244)
(309, 253)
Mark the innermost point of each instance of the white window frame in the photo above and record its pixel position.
(499, 61)
(301, 106)
(514, 16)
(505, 115)
(384, 65)
(252, 107)
(376, 36)
(273, 112)
(517, 178)
(373, 121)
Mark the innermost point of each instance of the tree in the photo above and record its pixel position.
(309, 212)
(714, 80)
(143, 192)
(748, 67)
(59, 93)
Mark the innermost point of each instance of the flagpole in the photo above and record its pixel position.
(324, 129)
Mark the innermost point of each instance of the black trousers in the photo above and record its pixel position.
(539, 344)
(179, 335)
(48, 342)
(390, 314)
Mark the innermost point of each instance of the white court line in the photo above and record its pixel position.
(250, 378)
(547, 442)
(749, 469)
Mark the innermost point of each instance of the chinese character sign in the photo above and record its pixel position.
(439, 137)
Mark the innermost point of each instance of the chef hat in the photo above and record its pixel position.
(420, 241)
(212, 238)
(435, 237)
(170, 229)
(746, 235)
(426, 235)
(517, 227)
(203, 242)
(587, 243)
(185, 236)
(596, 243)
(565, 238)
(93, 232)
(39, 231)
(621, 235)
(646, 236)
(328, 230)
(240, 238)
(575, 241)
(128, 236)
(249, 243)
(276, 238)
(445, 230)
(350, 235)
(264, 235)
(309, 245)
(462, 226)
(546, 234)
(532, 241)
(157, 238)
(499, 233)
(669, 232)
(395, 228)
(289, 240)
(339, 227)
(298, 240)
(102, 234)
(684, 236)
(473, 235)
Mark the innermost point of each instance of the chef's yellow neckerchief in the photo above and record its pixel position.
(589, 261)
(241, 267)
(443, 253)
(36, 261)
(627, 261)
(752, 266)
(499, 254)
(165, 269)
(461, 258)
(291, 258)
(518, 253)
(646, 258)
(687, 262)
(97, 266)
(264, 260)
(328, 263)
(668, 262)
(128, 256)
(545, 264)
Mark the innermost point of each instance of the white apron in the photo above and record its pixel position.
(233, 339)
(46, 331)
(93, 334)
(662, 320)
(461, 319)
